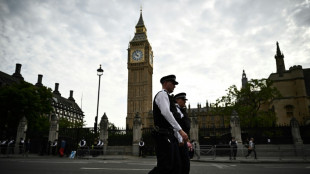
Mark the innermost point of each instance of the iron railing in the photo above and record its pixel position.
(279, 152)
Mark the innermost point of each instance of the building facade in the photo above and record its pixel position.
(294, 86)
(62, 107)
(140, 77)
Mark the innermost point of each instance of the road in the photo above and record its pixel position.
(138, 166)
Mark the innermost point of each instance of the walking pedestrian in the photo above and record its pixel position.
(251, 148)
(196, 149)
(166, 144)
(185, 124)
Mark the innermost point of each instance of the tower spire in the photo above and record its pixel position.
(278, 50)
(244, 79)
(279, 61)
(140, 34)
(140, 22)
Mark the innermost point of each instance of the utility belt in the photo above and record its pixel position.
(162, 131)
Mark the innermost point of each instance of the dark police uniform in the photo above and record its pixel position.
(166, 144)
(185, 123)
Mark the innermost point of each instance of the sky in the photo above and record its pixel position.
(205, 43)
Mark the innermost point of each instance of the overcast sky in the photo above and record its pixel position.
(205, 43)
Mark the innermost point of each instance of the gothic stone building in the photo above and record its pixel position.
(294, 86)
(62, 107)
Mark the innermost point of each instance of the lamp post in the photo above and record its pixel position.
(99, 73)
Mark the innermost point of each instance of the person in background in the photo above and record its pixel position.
(62, 148)
(251, 148)
(11, 146)
(196, 149)
(100, 146)
(4, 144)
(82, 146)
(54, 147)
(233, 148)
(27, 147)
(21, 145)
(141, 148)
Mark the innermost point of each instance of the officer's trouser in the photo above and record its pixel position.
(167, 153)
(185, 162)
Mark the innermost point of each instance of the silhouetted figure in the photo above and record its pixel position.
(251, 148)
(62, 148)
(233, 148)
(141, 148)
(54, 147)
(21, 145)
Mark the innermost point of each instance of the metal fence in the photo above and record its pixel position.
(278, 152)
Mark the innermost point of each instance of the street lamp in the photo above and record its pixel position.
(99, 73)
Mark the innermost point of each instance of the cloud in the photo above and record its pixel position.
(206, 44)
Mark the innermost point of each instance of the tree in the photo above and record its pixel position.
(65, 123)
(248, 102)
(24, 99)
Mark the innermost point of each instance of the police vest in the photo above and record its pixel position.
(159, 119)
(233, 144)
(185, 122)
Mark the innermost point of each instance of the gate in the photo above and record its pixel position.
(149, 144)
(120, 137)
(213, 136)
(73, 136)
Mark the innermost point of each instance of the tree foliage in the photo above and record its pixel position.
(24, 99)
(248, 102)
(65, 123)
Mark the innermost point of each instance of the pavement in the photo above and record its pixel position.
(208, 159)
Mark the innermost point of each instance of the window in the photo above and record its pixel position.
(289, 111)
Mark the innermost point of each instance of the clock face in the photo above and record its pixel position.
(137, 55)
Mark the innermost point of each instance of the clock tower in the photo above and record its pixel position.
(140, 76)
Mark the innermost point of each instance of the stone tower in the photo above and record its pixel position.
(244, 80)
(279, 61)
(140, 76)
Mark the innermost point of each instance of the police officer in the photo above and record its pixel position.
(233, 148)
(82, 146)
(185, 124)
(166, 144)
(54, 147)
(21, 145)
(11, 146)
(141, 148)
